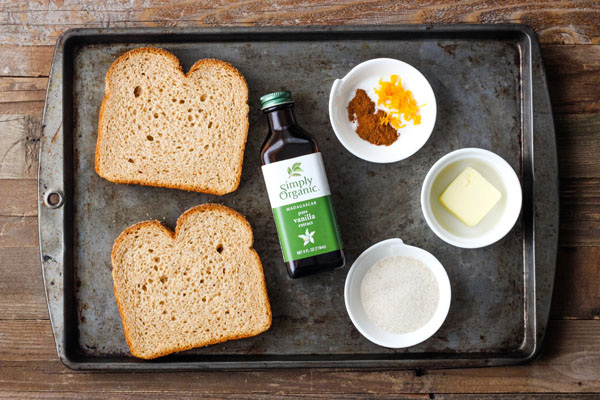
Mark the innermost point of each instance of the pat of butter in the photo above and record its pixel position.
(470, 197)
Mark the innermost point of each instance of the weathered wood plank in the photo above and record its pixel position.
(19, 232)
(25, 60)
(22, 293)
(573, 74)
(569, 365)
(25, 108)
(330, 396)
(578, 145)
(18, 90)
(23, 96)
(253, 396)
(268, 396)
(29, 340)
(18, 197)
(580, 212)
(19, 146)
(193, 395)
(514, 396)
(577, 292)
(561, 22)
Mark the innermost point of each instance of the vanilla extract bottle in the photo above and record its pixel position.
(298, 191)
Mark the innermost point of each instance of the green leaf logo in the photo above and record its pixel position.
(294, 170)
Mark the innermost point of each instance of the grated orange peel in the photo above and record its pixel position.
(398, 101)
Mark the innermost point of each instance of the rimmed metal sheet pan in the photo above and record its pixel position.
(491, 91)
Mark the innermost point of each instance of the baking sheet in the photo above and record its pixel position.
(490, 89)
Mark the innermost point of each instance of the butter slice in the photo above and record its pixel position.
(470, 197)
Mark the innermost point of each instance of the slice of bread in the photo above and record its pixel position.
(201, 285)
(161, 127)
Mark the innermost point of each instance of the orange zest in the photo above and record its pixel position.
(398, 101)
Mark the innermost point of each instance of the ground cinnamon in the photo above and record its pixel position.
(362, 109)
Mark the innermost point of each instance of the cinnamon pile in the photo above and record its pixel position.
(362, 110)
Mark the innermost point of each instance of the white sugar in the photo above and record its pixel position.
(399, 294)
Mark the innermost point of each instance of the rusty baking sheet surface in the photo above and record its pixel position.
(491, 92)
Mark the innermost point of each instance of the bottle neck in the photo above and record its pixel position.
(281, 118)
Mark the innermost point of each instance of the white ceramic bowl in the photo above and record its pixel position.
(497, 223)
(391, 248)
(366, 76)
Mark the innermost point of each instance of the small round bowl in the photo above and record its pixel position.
(497, 223)
(366, 76)
(391, 248)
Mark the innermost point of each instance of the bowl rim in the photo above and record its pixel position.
(494, 161)
(337, 84)
(410, 338)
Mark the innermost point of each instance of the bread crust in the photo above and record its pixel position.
(173, 235)
(197, 65)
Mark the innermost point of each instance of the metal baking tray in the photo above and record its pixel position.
(491, 91)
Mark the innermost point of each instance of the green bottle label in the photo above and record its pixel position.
(300, 197)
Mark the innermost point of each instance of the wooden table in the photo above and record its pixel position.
(570, 363)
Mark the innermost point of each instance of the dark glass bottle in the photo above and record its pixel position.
(298, 192)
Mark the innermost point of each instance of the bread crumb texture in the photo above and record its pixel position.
(161, 127)
(201, 285)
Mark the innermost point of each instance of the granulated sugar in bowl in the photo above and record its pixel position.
(397, 295)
